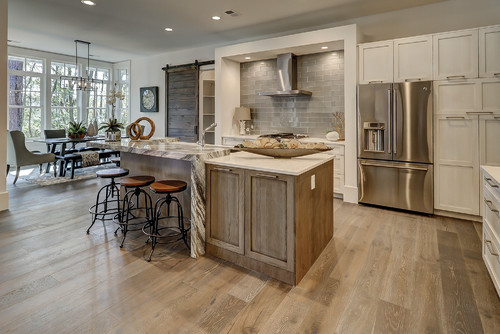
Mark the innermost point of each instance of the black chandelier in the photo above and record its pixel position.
(83, 83)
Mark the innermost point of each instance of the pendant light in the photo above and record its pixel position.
(83, 83)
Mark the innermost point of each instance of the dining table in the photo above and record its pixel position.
(52, 144)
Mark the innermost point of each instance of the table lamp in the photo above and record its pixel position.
(242, 114)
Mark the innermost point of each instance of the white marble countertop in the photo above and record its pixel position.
(165, 147)
(493, 171)
(293, 166)
(304, 140)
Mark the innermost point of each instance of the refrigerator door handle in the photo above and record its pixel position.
(389, 144)
(395, 121)
(364, 163)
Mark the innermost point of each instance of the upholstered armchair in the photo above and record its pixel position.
(18, 155)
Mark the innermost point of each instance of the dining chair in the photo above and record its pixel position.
(51, 134)
(18, 155)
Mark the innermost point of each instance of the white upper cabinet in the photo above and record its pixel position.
(489, 52)
(413, 59)
(456, 55)
(376, 62)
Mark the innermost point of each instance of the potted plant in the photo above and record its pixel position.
(76, 130)
(112, 128)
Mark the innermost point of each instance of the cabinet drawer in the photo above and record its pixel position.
(491, 256)
(491, 215)
(491, 185)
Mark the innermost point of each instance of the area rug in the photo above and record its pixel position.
(48, 179)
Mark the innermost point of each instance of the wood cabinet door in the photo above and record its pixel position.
(489, 51)
(269, 218)
(455, 55)
(376, 62)
(456, 182)
(225, 208)
(413, 59)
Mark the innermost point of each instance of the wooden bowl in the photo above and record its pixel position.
(282, 153)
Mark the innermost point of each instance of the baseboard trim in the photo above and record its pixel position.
(458, 215)
(351, 194)
(4, 201)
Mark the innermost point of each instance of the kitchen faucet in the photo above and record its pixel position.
(202, 141)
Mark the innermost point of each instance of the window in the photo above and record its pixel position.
(96, 100)
(63, 99)
(25, 95)
(122, 107)
(38, 100)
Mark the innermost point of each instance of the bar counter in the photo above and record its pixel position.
(166, 158)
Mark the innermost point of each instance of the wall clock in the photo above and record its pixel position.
(149, 99)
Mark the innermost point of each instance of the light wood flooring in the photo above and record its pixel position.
(384, 272)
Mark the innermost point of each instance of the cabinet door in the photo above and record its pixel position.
(269, 221)
(489, 51)
(413, 59)
(456, 182)
(490, 95)
(489, 139)
(455, 55)
(225, 208)
(376, 62)
(457, 97)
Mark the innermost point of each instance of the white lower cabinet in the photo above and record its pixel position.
(491, 225)
(456, 164)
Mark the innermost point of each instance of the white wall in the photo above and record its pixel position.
(146, 72)
(4, 196)
(444, 16)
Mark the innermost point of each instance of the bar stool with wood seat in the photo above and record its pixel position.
(131, 210)
(107, 208)
(153, 229)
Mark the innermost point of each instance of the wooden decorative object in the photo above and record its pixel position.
(281, 153)
(135, 130)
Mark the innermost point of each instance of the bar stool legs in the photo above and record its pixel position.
(128, 218)
(155, 232)
(101, 209)
(104, 208)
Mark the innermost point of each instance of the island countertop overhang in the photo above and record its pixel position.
(294, 166)
(165, 147)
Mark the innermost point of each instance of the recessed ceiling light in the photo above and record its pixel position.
(88, 2)
(169, 29)
(248, 58)
(324, 47)
(216, 18)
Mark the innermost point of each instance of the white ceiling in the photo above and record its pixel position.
(121, 29)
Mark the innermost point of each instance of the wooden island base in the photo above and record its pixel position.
(269, 222)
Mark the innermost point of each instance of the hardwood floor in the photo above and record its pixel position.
(384, 272)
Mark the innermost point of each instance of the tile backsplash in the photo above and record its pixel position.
(321, 73)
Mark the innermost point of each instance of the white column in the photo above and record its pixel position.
(4, 196)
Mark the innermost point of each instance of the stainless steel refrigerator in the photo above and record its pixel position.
(395, 156)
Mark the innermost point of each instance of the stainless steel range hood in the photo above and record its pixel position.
(287, 78)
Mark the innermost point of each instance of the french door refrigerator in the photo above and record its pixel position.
(395, 156)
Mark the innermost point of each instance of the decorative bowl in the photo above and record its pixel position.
(282, 153)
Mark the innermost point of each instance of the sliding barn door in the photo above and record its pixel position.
(182, 103)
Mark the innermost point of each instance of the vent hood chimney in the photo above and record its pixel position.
(287, 78)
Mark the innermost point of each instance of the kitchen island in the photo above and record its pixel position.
(271, 215)
(166, 158)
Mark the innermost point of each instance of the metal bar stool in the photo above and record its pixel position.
(131, 210)
(153, 229)
(105, 209)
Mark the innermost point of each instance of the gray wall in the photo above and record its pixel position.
(321, 73)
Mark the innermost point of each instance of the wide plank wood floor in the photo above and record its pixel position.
(384, 272)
